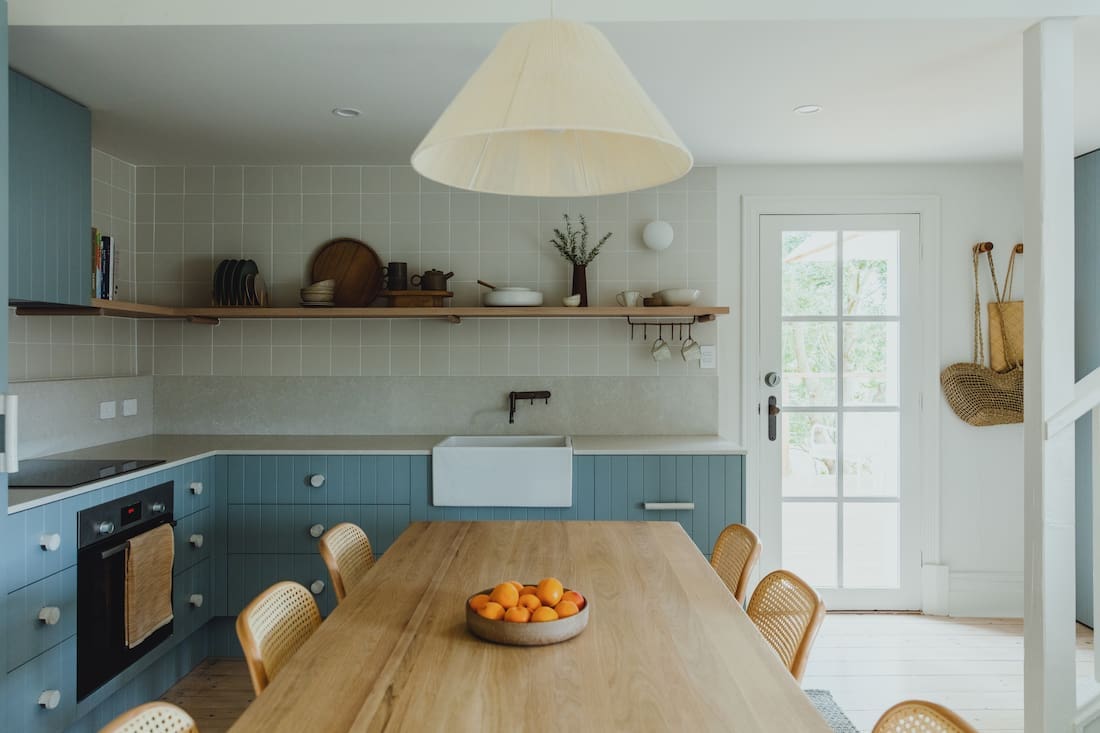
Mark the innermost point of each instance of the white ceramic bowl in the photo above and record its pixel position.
(313, 297)
(678, 296)
(505, 297)
(571, 301)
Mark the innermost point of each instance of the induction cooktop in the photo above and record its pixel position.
(46, 473)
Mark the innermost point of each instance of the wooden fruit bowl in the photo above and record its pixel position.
(532, 633)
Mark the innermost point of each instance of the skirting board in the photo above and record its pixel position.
(986, 594)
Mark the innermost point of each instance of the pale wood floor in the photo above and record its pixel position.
(868, 662)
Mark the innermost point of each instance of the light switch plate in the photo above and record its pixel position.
(107, 410)
(708, 357)
(129, 407)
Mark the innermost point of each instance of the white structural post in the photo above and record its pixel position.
(1049, 631)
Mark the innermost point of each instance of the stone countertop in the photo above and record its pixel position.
(177, 449)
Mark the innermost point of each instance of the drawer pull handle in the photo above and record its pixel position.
(49, 699)
(317, 587)
(50, 542)
(196, 600)
(316, 530)
(317, 480)
(679, 506)
(49, 615)
(196, 540)
(196, 487)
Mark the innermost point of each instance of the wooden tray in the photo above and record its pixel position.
(354, 266)
(417, 298)
(532, 633)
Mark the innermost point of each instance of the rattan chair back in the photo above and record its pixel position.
(346, 550)
(273, 626)
(735, 554)
(788, 613)
(921, 716)
(153, 717)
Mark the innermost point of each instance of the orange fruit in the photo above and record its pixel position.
(529, 601)
(549, 591)
(478, 602)
(565, 609)
(529, 590)
(492, 611)
(517, 615)
(518, 585)
(575, 597)
(544, 613)
(505, 594)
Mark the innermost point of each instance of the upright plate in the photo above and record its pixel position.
(354, 266)
(219, 273)
(233, 283)
(248, 268)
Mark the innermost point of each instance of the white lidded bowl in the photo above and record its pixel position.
(678, 296)
(504, 297)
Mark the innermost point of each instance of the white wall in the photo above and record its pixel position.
(981, 469)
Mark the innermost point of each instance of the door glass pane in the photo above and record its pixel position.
(809, 363)
(871, 544)
(808, 444)
(809, 273)
(871, 273)
(871, 447)
(871, 366)
(810, 542)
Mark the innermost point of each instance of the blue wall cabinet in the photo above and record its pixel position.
(1087, 309)
(50, 197)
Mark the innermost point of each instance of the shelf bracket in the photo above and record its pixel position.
(204, 320)
(671, 322)
(454, 319)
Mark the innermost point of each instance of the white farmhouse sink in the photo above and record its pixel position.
(503, 470)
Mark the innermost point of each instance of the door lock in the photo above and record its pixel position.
(771, 379)
(773, 414)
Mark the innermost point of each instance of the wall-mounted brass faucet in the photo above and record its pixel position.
(542, 394)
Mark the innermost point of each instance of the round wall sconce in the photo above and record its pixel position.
(657, 235)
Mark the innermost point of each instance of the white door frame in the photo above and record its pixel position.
(934, 590)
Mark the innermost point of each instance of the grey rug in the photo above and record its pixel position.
(834, 716)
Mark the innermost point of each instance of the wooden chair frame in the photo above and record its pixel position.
(801, 651)
(258, 668)
(332, 555)
(133, 720)
(722, 547)
(907, 707)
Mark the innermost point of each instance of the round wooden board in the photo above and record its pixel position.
(532, 633)
(354, 266)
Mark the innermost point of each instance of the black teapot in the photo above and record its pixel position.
(432, 280)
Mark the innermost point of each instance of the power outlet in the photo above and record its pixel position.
(129, 408)
(708, 357)
(107, 410)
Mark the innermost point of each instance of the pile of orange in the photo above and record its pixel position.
(518, 603)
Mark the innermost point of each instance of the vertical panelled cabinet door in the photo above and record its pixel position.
(49, 194)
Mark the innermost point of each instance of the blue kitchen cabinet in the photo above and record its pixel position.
(50, 197)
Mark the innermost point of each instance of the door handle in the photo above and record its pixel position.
(773, 414)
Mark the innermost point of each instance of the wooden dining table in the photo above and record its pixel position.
(666, 648)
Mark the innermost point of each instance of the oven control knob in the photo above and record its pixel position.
(316, 530)
(196, 600)
(49, 542)
(317, 480)
(196, 487)
(49, 699)
(102, 528)
(49, 615)
(196, 540)
(157, 507)
(317, 587)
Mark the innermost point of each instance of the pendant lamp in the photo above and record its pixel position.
(552, 111)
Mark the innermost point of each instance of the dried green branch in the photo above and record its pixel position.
(567, 242)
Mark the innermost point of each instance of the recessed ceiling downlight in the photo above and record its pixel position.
(807, 109)
(346, 112)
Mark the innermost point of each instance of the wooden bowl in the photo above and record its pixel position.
(532, 633)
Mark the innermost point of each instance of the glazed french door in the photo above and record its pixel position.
(839, 412)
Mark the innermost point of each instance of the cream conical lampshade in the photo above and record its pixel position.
(553, 111)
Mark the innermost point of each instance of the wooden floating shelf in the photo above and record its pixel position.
(212, 315)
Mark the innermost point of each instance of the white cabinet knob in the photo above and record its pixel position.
(316, 530)
(196, 487)
(196, 540)
(49, 615)
(196, 600)
(50, 542)
(317, 587)
(49, 699)
(317, 480)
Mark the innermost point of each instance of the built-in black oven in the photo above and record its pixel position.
(104, 531)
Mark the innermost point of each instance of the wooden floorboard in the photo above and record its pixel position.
(867, 661)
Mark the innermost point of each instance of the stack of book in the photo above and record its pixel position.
(104, 259)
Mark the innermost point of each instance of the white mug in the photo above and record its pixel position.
(628, 298)
(690, 350)
(660, 350)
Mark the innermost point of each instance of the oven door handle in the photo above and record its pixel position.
(115, 550)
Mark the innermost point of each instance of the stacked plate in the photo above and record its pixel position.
(239, 283)
(319, 293)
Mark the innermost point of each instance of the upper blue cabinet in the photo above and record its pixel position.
(50, 192)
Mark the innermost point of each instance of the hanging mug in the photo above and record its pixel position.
(690, 350)
(661, 350)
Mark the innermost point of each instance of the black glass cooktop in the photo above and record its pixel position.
(44, 473)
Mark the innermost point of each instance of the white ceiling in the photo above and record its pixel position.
(893, 91)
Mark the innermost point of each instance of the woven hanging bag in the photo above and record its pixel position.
(977, 394)
(1006, 319)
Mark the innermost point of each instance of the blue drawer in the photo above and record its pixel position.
(248, 575)
(348, 479)
(187, 554)
(53, 670)
(200, 473)
(188, 616)
(26, 636)
(284, 528)
(25, 561)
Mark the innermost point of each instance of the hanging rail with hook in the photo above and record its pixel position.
(673, 326)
